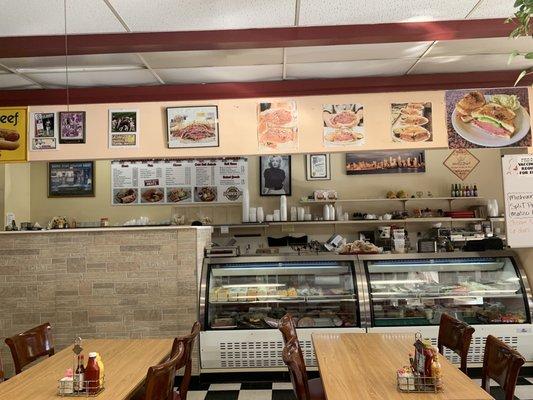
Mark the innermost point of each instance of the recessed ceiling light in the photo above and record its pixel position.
(46, 70)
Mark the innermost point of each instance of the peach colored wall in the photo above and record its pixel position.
(237, 124)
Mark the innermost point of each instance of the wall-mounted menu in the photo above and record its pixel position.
(517, 172)
(178, 181)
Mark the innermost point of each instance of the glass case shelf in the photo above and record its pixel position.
(407, 292)
(253, 295)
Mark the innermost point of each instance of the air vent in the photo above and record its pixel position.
(259, 354)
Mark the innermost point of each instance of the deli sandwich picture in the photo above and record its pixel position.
(488, 118)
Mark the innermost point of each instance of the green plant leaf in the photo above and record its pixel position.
(512, 56)
(529, 55)
(521, 76)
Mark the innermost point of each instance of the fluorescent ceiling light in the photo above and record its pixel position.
(54, 70)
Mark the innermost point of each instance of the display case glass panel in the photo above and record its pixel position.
(409, 292)
(254, 295)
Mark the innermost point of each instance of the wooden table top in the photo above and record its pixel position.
(363, 366)
(126, 362)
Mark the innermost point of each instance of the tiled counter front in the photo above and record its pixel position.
(116, 284)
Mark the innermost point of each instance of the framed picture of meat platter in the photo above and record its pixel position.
(195, 126)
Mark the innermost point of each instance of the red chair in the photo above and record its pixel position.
(304, 388)
(159, 383)
(287, 328)
(501, 363)
(26, 347)
(456, 336)
(188, 342)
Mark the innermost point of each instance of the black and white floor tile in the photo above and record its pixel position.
(283, 391)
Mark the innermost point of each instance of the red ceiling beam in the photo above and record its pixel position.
(288, 88)
(38, 46)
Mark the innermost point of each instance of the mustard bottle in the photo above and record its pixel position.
(101, 366)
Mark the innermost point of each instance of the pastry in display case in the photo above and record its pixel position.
(256, 295)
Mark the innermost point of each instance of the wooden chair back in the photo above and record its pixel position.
(159, 384)
(501, 363)
(28, 346)
(293, 358)
(455, 335)
(287, 328)
(1, 371)
(188, 343)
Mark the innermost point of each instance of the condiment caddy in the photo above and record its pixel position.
(424, 372)
(83, 380)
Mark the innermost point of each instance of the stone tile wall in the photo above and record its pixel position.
(116, 284)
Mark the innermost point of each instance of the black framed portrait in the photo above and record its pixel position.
(275, 175)
(71, 179)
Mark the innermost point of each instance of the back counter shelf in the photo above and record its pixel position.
(242, 297)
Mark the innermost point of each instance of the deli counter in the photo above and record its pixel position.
(241, 298)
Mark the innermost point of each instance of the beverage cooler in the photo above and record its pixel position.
(242, 297)
(487, 290)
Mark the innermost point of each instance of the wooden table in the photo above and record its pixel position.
(363, 366)
(126, 363)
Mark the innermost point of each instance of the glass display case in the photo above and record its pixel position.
(416, 291)
(254, 295)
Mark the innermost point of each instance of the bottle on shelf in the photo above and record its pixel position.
(79, 376)
(92, 375)
(467, 191)
(453, 190)
(475, 190)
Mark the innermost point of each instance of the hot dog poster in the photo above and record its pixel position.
(13, 134)
(488, 118)
(178, 181)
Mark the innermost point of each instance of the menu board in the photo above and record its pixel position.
(518, 195)
(178, 181)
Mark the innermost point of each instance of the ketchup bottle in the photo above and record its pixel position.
(92, 374)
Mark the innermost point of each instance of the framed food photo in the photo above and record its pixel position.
(275, 175)
(195, 126)
(318, 167)
(72, 127)
(71, 179)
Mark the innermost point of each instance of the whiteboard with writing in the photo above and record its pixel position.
(518, 195)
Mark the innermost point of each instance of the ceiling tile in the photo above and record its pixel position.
(97, 78)
(348, 69)
(73, 61)
(493, 9)
(13, 81)
(480, 46)
(38, 17)
(355, 52)
(184, 59)
(338, 12)
(183, 15)
(251, 73)
(494, 62)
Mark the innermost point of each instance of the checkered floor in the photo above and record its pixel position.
(283, 391)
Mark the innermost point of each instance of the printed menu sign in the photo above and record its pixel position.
(461, 162)
(12, 134)
(518, 195)
(178, 181)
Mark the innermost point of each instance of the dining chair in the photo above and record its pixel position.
(304, 388)
(287, 328)
(159, 383)
(501, 363)
(1, 371)
(28, 346)
(455, 335)
(188, 343)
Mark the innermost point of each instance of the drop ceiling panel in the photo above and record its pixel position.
(493, 9)
(38, 17)
(337, 12)
(97, 78)
(348, 69)
(184, 15)
(184, 59)
(221, 74)
(471, 63)
(355, 52)
(96, 60)
(480, 46)
(13, 81)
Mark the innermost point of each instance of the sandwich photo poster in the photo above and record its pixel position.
(411, 122)
(343, 124)
(277, 126)
(488, 118)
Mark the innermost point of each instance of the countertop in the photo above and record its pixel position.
(109, 229)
